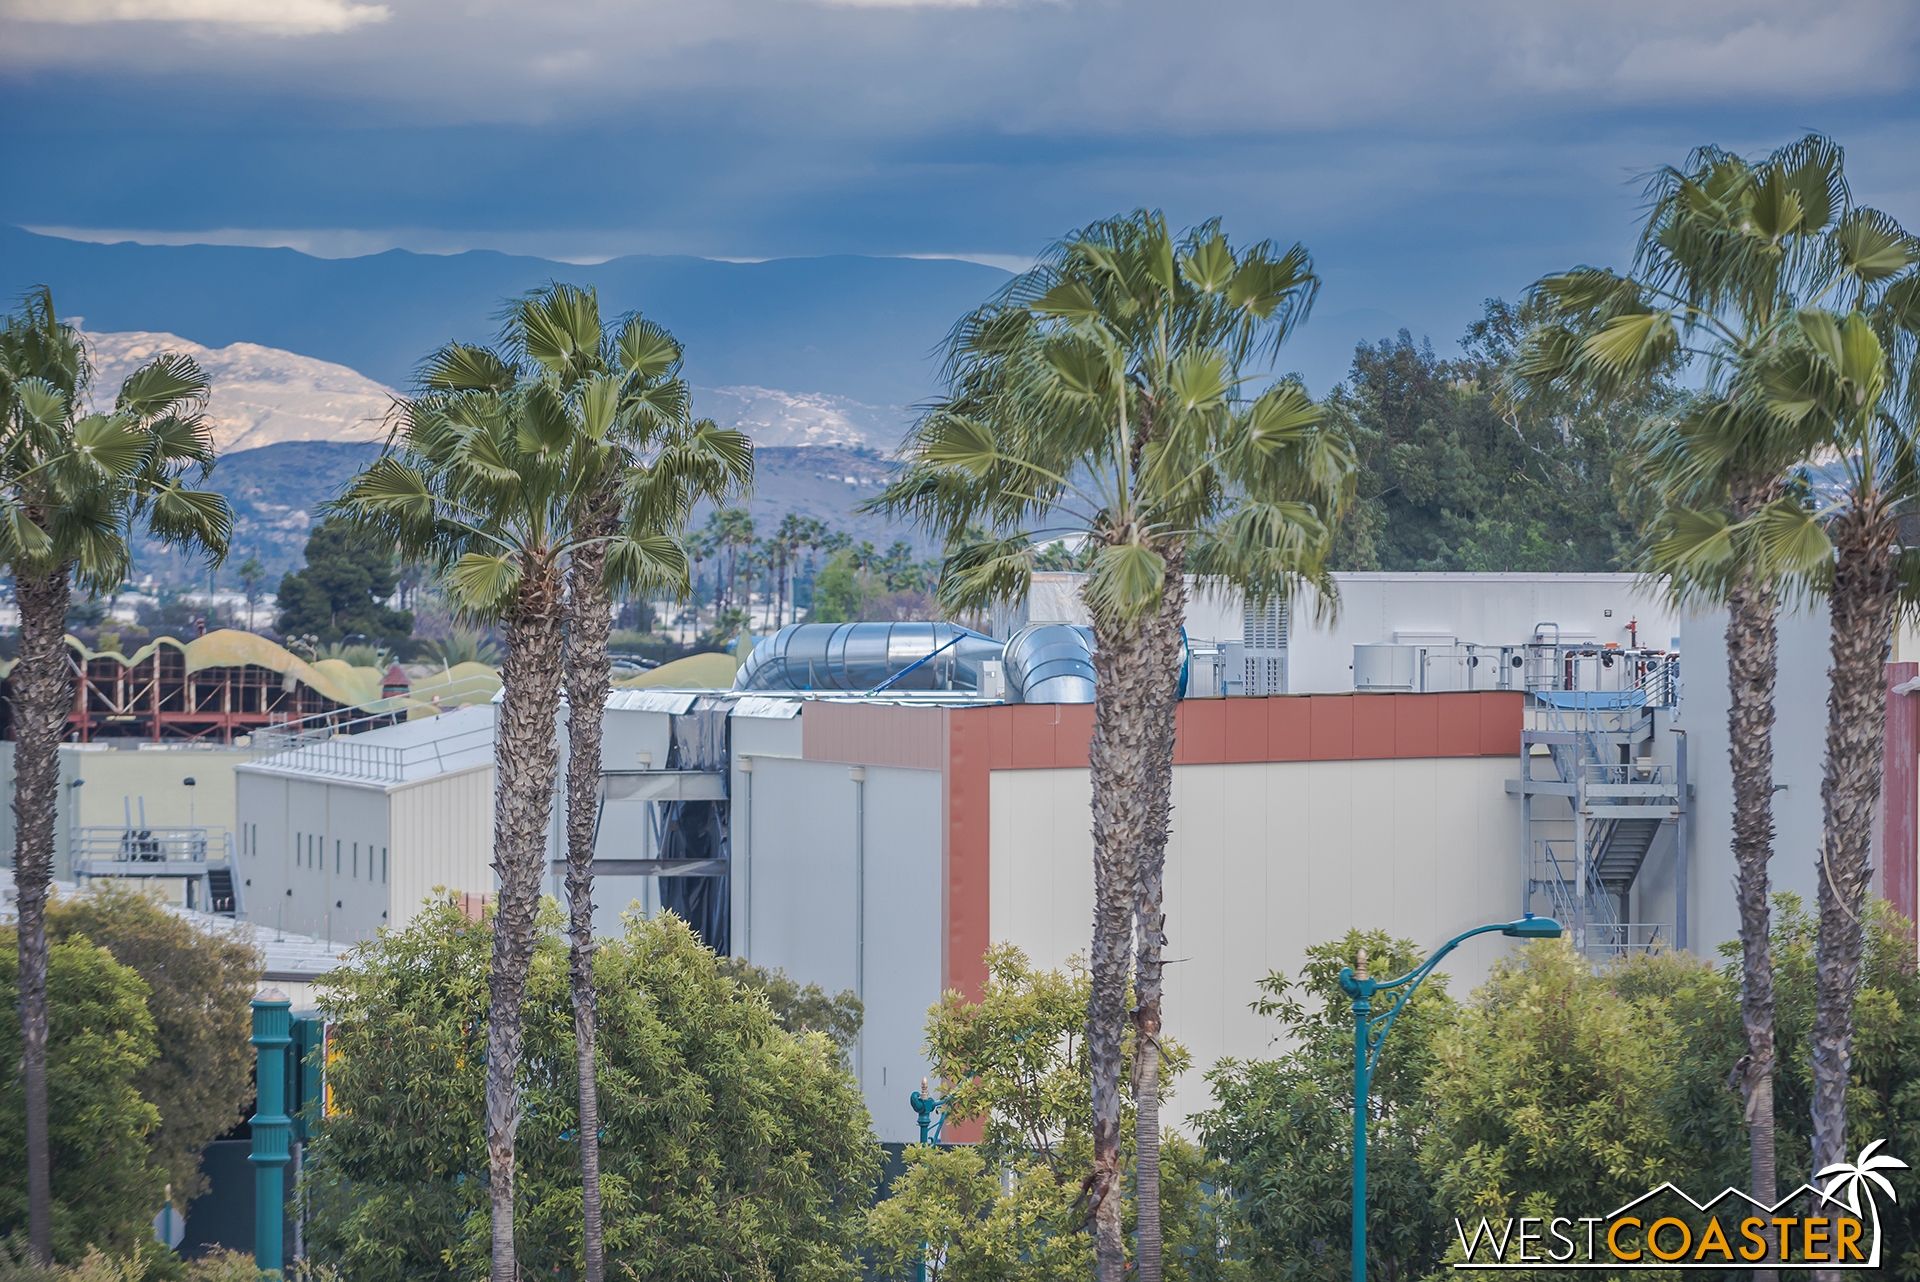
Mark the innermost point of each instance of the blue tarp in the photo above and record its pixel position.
(1593, 698)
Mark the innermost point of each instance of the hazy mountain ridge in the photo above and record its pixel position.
(265, 396)
(261, 395)
(858, 328)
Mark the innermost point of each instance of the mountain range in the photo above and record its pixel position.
(863, 329)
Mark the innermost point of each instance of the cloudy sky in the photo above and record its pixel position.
(1429, 154)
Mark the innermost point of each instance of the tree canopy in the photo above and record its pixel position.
(100, 1039)
(200, 986)
(1453, 478)
(343, 588)
(730, 1147)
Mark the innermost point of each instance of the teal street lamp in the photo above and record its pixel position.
(1370, 1030)
(933, 1119)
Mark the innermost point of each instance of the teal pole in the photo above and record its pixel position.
(1369, 1031)
(1363, 989)
(926, 1106)
(272, 1034)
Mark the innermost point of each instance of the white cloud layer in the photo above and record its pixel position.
(276, 17)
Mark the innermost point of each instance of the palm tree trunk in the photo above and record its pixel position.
(1132, 761)
(1752, 636)
(588, 680)
(1151, 921)
(1864, 600)
(42, 698)
(525, 761)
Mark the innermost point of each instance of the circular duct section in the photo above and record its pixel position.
(1051, 663)
(860, 657)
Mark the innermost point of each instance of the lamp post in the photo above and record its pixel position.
(1370, 1030)
(933, 1119)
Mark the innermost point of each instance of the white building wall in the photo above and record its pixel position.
(1264, 860)
(442, 835)
(299, 841)
(1799, 751)
(1489, 609)
(801, 910)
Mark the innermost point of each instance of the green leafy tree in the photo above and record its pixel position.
(1284, 1127)
(1550, 1093)
(199, 992)
(798, 1009)
(104, 1188)
(1013, 1206)
(342, 590)
(1101, 393)
(732, 1148)
(839, 594)
(502, 471)
(1452, 478)
(75, 485)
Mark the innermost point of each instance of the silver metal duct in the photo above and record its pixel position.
(1050, 663)
(865, 656)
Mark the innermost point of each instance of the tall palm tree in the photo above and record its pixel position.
(1101, 393)
(793, 534)
(251, 572)
(504, 470)
(1851, 379)
(75, 484)
(1730, 249)
(654, 465)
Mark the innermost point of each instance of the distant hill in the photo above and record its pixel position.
(261, 395)
(276, 492)
(862, 329)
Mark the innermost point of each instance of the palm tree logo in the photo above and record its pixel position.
(1852, 1177)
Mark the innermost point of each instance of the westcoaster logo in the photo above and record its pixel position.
(1837, 1232)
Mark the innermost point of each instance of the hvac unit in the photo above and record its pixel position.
(1264, 646)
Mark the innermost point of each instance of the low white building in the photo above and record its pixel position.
(338, 837)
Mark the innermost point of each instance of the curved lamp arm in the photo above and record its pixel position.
(1528, 927)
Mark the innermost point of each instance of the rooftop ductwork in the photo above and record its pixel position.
(859, 657)
(1050, 663)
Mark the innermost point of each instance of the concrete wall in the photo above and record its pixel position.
(798, 905)
(1264, 860)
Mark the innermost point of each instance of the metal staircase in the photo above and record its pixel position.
(1593, 802)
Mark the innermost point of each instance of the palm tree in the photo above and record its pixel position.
(1730, 249)
(509, 465)
(75, 485)
(251, 572)
(1851, 380)
(655, 465)
(794, 531)
(1101, 393)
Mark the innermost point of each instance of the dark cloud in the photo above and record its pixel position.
(1429, 154)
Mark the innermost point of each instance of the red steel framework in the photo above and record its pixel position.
(158, 699)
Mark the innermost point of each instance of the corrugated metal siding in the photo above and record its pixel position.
(442, 835)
